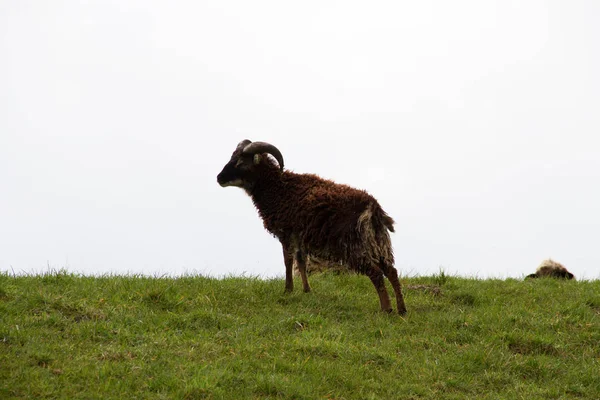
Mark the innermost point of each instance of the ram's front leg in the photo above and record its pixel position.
(301, 262)
(288, 259)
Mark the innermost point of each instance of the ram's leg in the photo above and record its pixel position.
(376, 275)
(288, 259)
(392, 274)
(301, 260)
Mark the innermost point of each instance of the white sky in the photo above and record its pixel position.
(476, 125)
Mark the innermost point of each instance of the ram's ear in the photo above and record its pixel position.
(257, 159)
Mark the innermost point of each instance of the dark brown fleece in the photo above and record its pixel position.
(323, 218)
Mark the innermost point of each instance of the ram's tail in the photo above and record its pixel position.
(380, 217)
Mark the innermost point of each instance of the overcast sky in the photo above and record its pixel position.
(476, 124)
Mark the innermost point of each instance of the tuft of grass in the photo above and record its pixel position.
(535, 345)
(440, 278)
(114, 337)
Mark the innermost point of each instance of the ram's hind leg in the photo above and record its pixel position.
(392, 274)
(376, 275)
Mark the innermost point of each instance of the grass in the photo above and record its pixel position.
(73, 337)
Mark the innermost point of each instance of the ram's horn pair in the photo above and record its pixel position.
(261, 147)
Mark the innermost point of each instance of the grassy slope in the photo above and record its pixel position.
(64, 336)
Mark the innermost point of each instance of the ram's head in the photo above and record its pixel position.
(243, 167)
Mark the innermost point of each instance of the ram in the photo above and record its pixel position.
(312, 216)
(551, 269)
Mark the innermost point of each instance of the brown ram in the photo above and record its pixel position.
(312, 216)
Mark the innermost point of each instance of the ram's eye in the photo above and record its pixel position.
(238, 163)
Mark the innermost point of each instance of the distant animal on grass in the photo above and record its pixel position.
(551, 269)
(312, 216)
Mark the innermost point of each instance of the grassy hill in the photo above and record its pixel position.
(74, 337)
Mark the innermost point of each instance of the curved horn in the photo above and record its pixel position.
(263, 147)
(243, 144)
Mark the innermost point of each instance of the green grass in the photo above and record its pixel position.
(75, 337)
